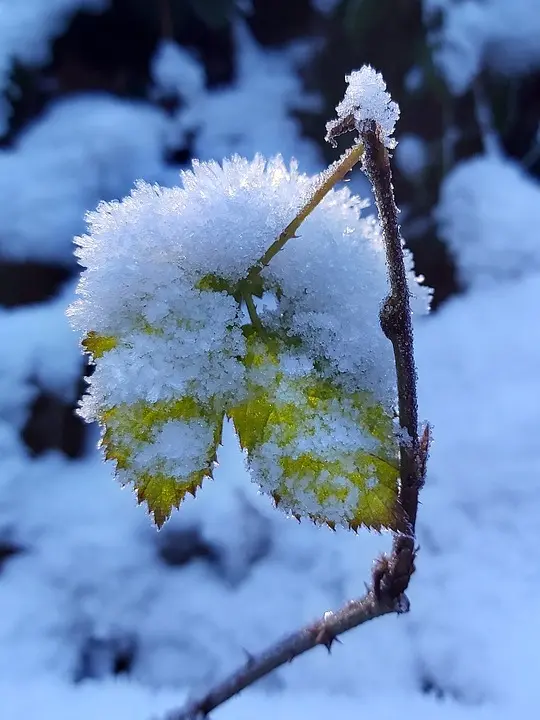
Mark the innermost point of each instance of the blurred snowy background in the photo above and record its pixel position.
(102, 617)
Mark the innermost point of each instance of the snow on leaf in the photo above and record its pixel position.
(295, 356)
(165, 449)
(318, 450)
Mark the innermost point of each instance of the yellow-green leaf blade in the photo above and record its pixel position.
(163, 449)
(320, 452)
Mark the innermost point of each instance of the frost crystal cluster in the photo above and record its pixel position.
(184, 335)
(366, 99)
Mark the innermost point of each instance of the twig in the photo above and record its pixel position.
(391, 574)
(322, 632)
(396, 322)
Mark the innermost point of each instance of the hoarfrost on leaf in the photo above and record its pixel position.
(164, 309)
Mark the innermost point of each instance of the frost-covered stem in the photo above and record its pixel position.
(252, 312)
(321, 632)
(396, 319)
(333, 175)
(396, 322)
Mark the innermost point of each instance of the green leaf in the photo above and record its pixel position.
(295, 456)
(97, 345)
(162, 485)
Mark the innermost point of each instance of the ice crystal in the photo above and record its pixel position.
(366, 99)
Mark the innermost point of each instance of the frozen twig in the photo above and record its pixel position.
(396, 322)
(392, 573)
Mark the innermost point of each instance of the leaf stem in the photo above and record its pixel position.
(329, 179)
(252, 312)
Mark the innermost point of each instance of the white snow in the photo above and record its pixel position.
(479, 385)
(366, 99)
(501, 35)
(26, 31)
(176, 71)
(84, 149)
(91, 573)
(37, 351)
(412, 155)
(124, 701)
(255, 113)
(489, 214)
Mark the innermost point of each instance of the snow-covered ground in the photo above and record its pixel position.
(26, 32)
(93, 581)
(92, 569)
(472, 35)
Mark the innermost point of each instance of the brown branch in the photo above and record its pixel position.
(391, 574)
(322, 632)
(396, 322)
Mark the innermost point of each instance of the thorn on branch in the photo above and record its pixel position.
(403, 605)
(380, 575)
(392, 573)
(250, 659)
(326, 638)
(423, 451)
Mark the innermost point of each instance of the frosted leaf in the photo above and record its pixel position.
(160, 312)
(319, 451)
(366, 99)
(165, 449)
